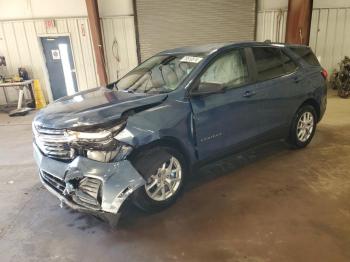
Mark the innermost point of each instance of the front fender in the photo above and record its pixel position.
(167, 121)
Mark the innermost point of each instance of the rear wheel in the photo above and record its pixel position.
(303, 127)
(164, 170)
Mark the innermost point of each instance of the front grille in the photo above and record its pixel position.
(53, 143)
(90, 186)
(56, 183)
(88, 193)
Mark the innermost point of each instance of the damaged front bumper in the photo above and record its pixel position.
(87, 185)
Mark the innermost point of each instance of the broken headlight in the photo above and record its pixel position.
(101, 156)
(100, 145)
(120, 153)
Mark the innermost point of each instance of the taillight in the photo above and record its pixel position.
(324, 73)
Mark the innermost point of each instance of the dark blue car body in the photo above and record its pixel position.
(204, 126)
(208, 126)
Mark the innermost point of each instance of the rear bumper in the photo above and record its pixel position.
(116, 182)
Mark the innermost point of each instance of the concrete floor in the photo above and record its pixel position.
(268, 204)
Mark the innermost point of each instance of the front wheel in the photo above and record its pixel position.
(164, 170)
(303, 127)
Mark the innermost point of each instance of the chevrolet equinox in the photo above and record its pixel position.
(140, 137)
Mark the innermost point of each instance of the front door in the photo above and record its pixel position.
(60, 65)
(230, 118)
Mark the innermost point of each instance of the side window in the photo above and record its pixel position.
(229, 70)
(289, 65)
(306, 54)
(268, 62)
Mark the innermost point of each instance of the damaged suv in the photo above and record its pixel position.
(140, 137)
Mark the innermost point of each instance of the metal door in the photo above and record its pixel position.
(183, 23)
(60, 65)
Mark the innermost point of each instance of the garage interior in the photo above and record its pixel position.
(268, 203)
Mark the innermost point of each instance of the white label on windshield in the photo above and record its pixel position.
(191, 59)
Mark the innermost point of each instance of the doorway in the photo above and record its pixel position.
(60, 65)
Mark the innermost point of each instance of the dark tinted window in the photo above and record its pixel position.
(306, 54)
(269, 62)
(289, 65)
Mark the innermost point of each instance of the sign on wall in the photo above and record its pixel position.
(55, 54)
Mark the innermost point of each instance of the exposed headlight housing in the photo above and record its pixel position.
(101, 135)
(120, 153)
(100, 145)
(101, 156)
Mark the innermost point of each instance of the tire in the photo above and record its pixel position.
(303, 127)
(163, 185)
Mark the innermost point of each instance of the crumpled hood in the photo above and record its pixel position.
(92, 107)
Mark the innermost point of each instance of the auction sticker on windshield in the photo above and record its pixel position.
(191, 59)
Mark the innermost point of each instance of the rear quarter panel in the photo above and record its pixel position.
(312, 86)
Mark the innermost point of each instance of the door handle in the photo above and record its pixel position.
(249, 93)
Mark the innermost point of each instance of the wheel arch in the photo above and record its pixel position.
(167, 141)
(312, 102)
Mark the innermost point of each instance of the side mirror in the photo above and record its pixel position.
(207, 89)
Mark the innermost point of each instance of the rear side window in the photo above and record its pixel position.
(289, 65)
(306, 54)
(269, 62)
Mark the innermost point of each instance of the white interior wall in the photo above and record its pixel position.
(20, 44)
(331, 4)
(271, 25)
(329, 37)
(119, 42)
(33, 9)
(330, 25)
(265, 5)
(271, 20)
(19, 41)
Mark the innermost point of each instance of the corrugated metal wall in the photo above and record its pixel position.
(120, 46)
(165, 24)
(271, 25)
(329, 36)
(19, 43)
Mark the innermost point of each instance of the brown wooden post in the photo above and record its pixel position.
(95, 27)
(299, 21)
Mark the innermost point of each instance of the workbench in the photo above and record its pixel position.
(22, 87)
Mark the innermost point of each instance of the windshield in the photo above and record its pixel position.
(159, 74)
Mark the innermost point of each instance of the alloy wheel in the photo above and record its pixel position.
(165, 183)
(305, 126)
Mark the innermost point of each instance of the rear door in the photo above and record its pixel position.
(225, 119)
(277, 79)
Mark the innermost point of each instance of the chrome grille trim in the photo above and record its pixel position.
(90, 186)
(54, 143)
(56, 183)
